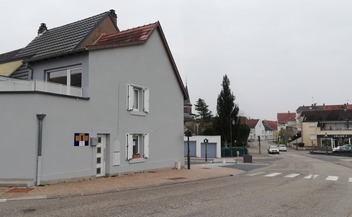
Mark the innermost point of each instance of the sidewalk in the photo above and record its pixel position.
(199, 171)
(119, 183)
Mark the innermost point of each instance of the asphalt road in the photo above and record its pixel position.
(292, 184)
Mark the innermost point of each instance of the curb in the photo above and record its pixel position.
(41, 197)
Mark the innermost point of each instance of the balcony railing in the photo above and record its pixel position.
(42, 86)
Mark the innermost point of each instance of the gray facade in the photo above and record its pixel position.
(102, 110)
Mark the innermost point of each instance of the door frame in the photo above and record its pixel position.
(101, 167)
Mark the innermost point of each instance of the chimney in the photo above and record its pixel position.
(42, 28)
(113, 16)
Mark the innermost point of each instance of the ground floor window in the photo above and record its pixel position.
(137, 146)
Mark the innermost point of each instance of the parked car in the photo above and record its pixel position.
(282, 147)
(343, 148)
(273, 149)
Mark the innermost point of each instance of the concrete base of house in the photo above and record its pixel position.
(16, 183)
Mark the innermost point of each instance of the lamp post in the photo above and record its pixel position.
(231, 123)
(188, 134)
(326, 145)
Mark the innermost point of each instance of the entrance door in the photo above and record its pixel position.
(100, 158)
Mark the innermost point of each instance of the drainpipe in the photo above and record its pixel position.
(40, 118)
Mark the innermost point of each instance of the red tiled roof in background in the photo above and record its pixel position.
(338, 107)
(252, 123)
(324, 107)
(283, 118)
(272, 124)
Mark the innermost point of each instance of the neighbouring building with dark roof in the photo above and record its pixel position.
(331, 127)
(87, 100)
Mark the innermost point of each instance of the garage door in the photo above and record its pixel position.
(192, 149)
(211, 148)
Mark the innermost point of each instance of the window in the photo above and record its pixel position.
(67, 76)
(137, 146)
(137, 99)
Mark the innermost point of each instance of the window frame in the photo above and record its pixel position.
(142, 146)
(69, 70)
(139, 106)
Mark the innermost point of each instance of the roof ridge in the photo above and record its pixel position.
(77, 21)
(137, 27)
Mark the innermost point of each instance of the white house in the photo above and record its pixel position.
(87, 100)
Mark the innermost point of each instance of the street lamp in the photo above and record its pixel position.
(232, 121)
(326, 145)
(188, 133)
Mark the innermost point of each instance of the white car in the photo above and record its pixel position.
(273, 149)
(282, 147)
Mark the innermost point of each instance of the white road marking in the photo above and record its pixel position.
(293, 175)
(332, 178)
(3, 200)
(311, 176)
(273, 174)
(255, 174)
(350, 180)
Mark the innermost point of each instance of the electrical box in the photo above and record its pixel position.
(94, 141)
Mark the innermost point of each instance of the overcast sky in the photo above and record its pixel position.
(278, 54)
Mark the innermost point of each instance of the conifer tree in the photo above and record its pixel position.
(227, 113)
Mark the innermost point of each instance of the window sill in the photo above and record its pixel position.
(138, 113)
(137, 160)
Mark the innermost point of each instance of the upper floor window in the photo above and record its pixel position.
(70, 76)
(137, 98)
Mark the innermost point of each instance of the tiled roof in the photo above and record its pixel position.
(252, 123)
(22, 72)
(60, 40)
(323, 107)
(5, 57)
(270, 124)
(128, 37)
(328, 115)
(283, 118)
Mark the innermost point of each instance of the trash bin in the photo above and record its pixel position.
(247, 158)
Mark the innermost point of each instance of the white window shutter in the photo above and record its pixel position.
(146, 100)
(146, 145)
(130, 97)
(129, 146)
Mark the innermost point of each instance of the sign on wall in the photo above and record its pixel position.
(81, 139)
